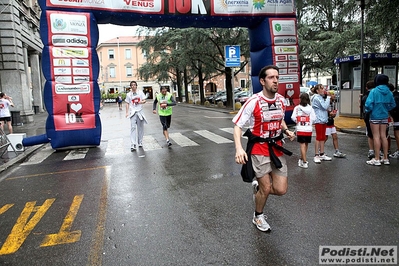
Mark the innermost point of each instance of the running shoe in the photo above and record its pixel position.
(260, 222)
(300, 162)
(169, 143)
(303, 164)
(374, 162)
(394, 155)
(339, 154)
(325, 158)
(316, 159)
(133, 148)
(385, 161)
(370, 155)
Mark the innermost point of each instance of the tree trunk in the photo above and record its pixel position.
(185, 79)
(179, 84)
(201, 85)
(229, 87)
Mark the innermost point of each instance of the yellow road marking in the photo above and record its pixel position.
(24, 226)
(56, 173)
(5, 208)
(65, 236)
(98, 236)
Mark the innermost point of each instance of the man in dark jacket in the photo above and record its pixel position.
(366, 117)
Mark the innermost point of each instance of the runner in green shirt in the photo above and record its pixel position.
(164, 101)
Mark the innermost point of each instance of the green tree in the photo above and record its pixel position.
(191, 53)
(163, 62)
(330, 29)
(327, 29)
(382, 25)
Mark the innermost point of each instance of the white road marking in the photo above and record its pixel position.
(122, 146)
(182, 140)
(217, 117)
(76, 154)
(213, 137)
(40, 156)
(150, 144)
(115, 147)
(228, 129)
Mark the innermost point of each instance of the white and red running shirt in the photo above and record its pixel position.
(264, 116)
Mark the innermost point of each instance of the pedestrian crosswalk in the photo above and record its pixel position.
(119, 146)
(182, 140)
(40, 156)
(213, 137)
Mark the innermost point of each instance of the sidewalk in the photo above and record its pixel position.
(37, 127)
(353, 125)
(345, 124)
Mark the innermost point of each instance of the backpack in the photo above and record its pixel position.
(395, 111)
(363, 101)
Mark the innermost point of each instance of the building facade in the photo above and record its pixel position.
(20, 56)
(120, 58)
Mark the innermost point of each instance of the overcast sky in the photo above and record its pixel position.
(109, 31)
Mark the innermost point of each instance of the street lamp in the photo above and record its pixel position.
(362, 4)
(119, 67)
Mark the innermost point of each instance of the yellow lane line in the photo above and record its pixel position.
(56, 173)
(97, 245)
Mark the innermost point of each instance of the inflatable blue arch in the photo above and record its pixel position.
(69, 31)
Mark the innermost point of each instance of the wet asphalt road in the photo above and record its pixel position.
(188, 205)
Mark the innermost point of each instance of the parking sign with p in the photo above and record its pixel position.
(232, 55)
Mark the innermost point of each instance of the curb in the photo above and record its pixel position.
(215, 109)
(351, 131)
(22, 156)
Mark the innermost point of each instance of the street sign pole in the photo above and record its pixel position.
(232, 86)
(232, 60)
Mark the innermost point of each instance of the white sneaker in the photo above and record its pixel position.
(260, 222)
(394, 155)
(385, 161)
(325, 158)
(303, 164)
(374, 162)
(300, 162)
(339, 154)
(316, 159)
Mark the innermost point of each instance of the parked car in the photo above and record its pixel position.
(212, 98)
(223, 98)
(243, 96)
